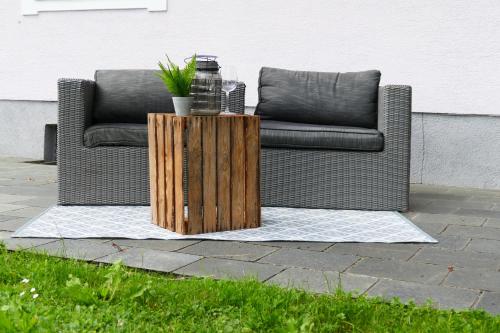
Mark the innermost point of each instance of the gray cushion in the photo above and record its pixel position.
(127, 96)
(116, 135)
(281, 134)
(344, 99)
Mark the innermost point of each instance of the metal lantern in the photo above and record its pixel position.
(206, 86)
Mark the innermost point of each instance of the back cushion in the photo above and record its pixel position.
(344, 99)
(127, 96)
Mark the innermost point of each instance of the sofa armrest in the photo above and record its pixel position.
(394, 117)
(76, 99)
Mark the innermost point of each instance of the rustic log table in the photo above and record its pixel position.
(214, 161)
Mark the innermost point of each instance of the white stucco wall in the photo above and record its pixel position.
(448, 50)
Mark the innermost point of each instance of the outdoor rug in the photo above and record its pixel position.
(278, 224)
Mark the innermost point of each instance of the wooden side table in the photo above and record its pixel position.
(215, 161)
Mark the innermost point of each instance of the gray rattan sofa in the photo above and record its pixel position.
(102, 135)
(303, 164)
(359, 158)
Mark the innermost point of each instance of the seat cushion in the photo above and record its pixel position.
(279, 134)
(343, 99)
(127, 96)
(116, 135)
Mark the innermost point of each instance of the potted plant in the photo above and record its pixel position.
(178, 82)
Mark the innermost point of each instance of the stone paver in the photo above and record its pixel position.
(435, 195)
(5, 235)
(15, 244)
(474, 279)
(230, 269)
(156, 244)
(455, 205)
(401, 270)
(9, 198)
(229, 250)
(390, 251)
(311, 259)
(46, 201)
(13, 223)
(479, 212)
(423, 218)
(30, 190)
(78, 249)
(432, 229)
(443, 297)
(473, 232)
(456, 258)
(492, 223)
(7, 207)
(311, 246)
(26, 212)
(155, 260)
(490, 302)
(485, 245)
(451, 242)
(322, 281)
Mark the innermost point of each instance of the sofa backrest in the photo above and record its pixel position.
(343, 99)
(127, 96)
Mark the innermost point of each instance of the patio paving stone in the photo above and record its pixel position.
(155, 260)
(15, 244)
(479, 212)
(86, 249)
(322, 281)
(11, 198)
(455, 205)
(456, 258)
(26, 212)
(30, 190)
(6, 218)
(397, 251)
(13, 223)
(435, 208)
(485, 245)
(401, 270)
(5, 235)
(492, 223)
(8, 207)
(451, 242)
(423, 218)
(230, 269)
(229, 250)
(435, 195)
(474, 279)
(473, 232)
(443, 297)
(156, 244)
(432, 229)
(311, 259)
(310, 246)
(46, 201)
(490, 302)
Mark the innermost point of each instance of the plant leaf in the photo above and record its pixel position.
(178, 81)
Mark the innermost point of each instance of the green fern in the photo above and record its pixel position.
(178, 81)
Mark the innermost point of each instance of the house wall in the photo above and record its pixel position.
(447, 50)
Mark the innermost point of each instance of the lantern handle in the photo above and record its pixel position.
(203, 57)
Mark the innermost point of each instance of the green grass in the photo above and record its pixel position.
(79, 297)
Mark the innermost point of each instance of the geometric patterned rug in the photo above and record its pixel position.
(278, 224)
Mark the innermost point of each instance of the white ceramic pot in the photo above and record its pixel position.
(182, 105)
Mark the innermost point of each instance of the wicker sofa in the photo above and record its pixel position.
(375, 178)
